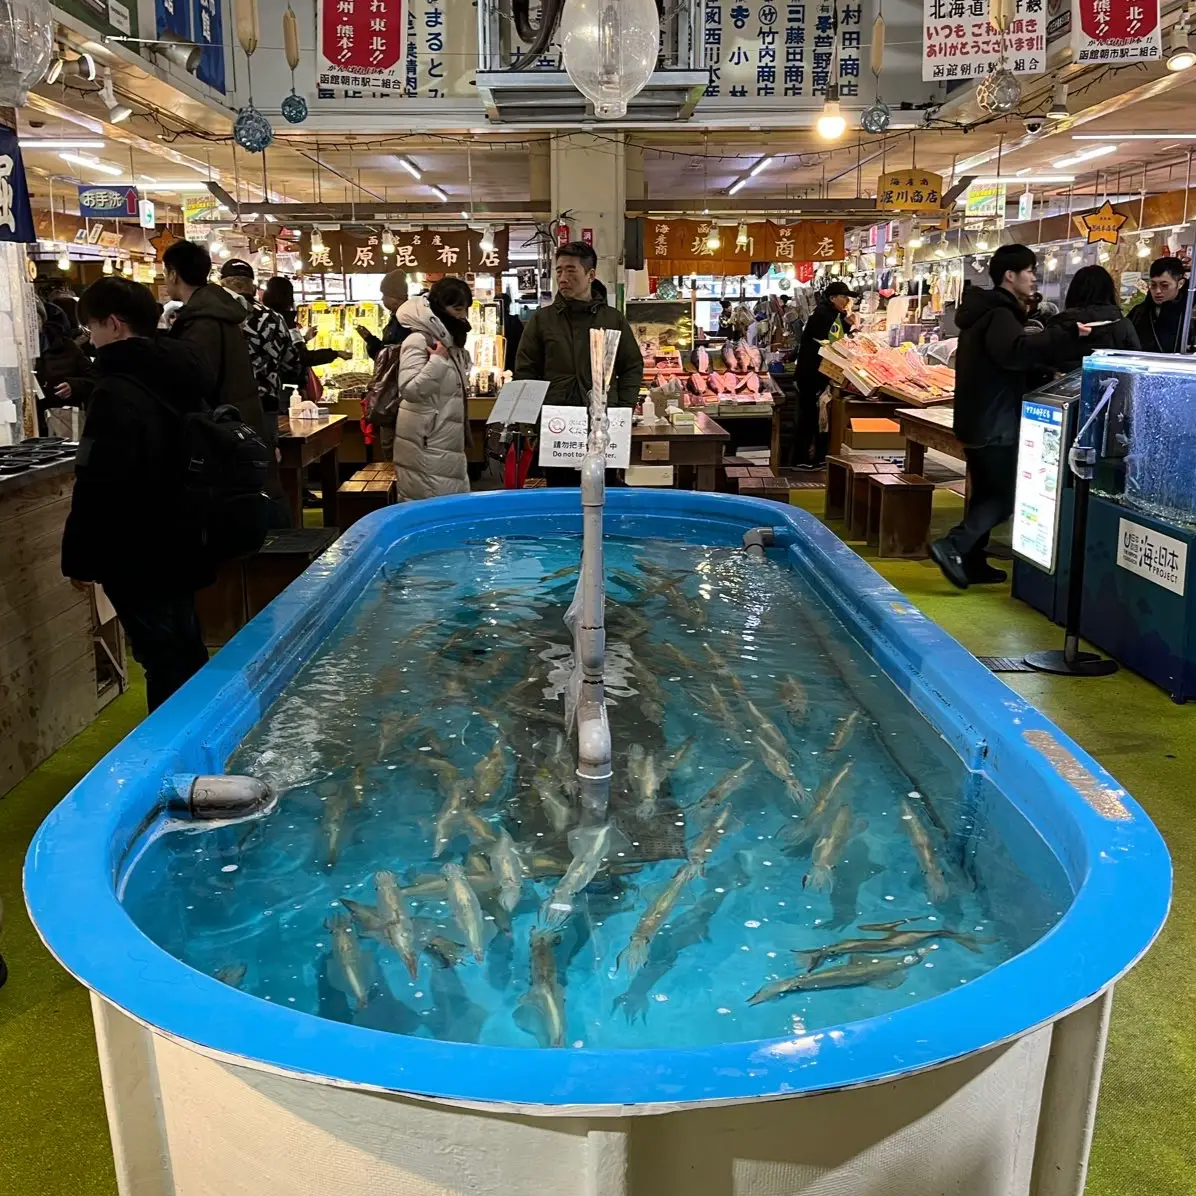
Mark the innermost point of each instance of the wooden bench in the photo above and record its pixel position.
(838, 480)
(898, 514)
(856, 514)
(370, 489)
(281, 559)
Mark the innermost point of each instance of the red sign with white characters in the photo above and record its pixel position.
(1117, 31)
(361, 44)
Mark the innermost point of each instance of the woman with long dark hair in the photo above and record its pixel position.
(433, 386)
(1092, 299)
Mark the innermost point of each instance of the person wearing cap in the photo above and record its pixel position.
(394, 295)
(833, 310)
(274, 355)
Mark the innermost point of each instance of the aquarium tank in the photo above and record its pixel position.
(1144, 437)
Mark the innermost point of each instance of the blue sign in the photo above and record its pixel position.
(208, 29)
(99, 202)
(173, 16)
(16, 217)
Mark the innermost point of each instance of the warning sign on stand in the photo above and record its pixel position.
(565, 432)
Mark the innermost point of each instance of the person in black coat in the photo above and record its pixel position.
(993, 362)
(1158, 319)
(1092, 300)
(393, 290)
(809, 446)
(128, 527)
(279, 296)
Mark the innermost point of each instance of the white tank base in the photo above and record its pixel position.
(1015, 1120)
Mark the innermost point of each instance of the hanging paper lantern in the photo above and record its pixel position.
(251, 130)
(999, 92)
(26, 47)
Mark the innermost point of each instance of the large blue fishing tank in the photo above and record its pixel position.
(849, 919)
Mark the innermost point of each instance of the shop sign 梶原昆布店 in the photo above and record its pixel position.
(682, 246)
(424, 250)
(958, 42)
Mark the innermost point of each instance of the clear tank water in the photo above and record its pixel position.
(443, 656)
(1159, 474)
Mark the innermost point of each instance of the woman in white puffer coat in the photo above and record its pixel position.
(433, 384)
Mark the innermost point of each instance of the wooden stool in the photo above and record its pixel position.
(282, 558)
(370, 489)
(838, 480)
(899, 508)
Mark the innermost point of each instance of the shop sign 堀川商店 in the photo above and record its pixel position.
(910, 191)
(682, 246)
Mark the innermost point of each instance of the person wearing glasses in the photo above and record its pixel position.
(1159, 318)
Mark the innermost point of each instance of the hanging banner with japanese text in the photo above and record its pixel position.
(780, 49)
(428, 251)
(16, 218)
(985, 201)
(910, 191)
(361, 44)
(209, 33)
(959, 43)
(683, 246)
(1116, 31)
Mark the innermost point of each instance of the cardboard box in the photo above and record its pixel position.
(874, 434)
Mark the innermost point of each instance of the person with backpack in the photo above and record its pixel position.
(130, 527)
(272, 352)
(211, 321)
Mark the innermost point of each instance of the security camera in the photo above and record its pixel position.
(1034, 124)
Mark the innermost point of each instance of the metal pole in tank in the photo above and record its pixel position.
(593, 729)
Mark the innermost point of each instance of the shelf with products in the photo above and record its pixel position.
(336, 327)
(487, 347)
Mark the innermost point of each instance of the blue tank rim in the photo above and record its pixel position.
(1121, 874)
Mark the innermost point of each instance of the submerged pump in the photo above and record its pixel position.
(219, 798)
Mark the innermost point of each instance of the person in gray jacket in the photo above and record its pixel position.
(433, 385)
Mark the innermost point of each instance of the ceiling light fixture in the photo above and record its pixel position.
(59, 143)
(440, 194)
(487, 242)
(64, 261)
(1052, 262)
(713, 240)
(831, 124)
(317, 240)
(85, 67)
(1098, 151)
(388, 243)
(1144, 248)
(1182, 56)
(760, 166)
(1075, 257)
(1058, 109)
(915, 241)
(736, 187)
(107, 266)
(1134, 136)
(410, 167)
(741, 236)
(91, 163)
(55, 71)
(117, 111)
(1025, 178)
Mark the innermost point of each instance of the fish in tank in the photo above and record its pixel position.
(788, 845)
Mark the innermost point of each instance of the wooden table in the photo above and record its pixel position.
(302, 443)
(696, 448)
(927, 427)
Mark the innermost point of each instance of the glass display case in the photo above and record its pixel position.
(1138, 416)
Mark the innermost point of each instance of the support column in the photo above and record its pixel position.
(589, 181)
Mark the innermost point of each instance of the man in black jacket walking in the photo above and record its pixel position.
(992, 364)
(809, 450)
(128, 528)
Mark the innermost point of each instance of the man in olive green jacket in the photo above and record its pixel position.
(555, 347)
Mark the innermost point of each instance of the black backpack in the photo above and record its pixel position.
(224, 486)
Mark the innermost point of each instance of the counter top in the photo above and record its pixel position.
(12, 483)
